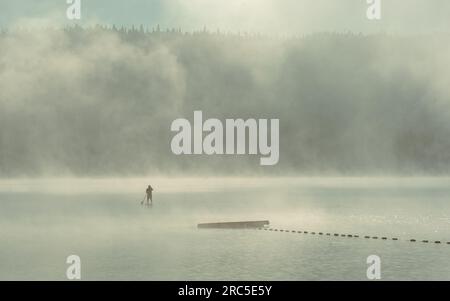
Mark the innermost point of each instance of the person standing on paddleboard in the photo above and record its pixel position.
(149, 195)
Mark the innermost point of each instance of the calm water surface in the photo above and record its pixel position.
(44, 221)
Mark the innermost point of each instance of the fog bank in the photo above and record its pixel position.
(100, 102)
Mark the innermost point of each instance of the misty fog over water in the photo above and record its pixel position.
(363, 107)
(43, 221)
(99, 102)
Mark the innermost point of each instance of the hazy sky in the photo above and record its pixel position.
(268, 16)
(98, 102)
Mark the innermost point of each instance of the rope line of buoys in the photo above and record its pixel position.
(412, 240)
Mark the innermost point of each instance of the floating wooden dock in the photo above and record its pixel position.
(234, 225)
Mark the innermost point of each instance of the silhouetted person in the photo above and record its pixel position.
(149, 195)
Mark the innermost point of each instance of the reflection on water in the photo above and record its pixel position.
(102, 221)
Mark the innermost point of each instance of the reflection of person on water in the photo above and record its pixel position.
(149, 195)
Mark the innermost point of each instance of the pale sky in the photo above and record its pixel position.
(265, 16)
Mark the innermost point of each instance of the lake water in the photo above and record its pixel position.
(44, 221)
